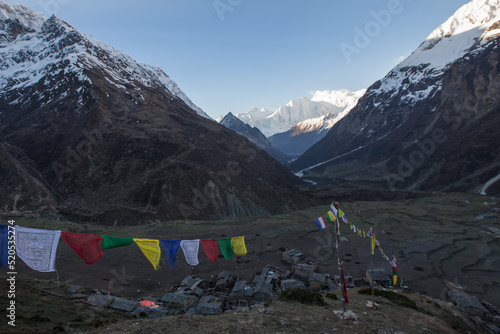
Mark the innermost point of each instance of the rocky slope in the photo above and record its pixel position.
(430, 123)
(87, 132)
(254, 135)
(303, 135)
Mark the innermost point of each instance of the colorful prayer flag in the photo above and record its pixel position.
(211, 249)
(190, 249)
(239, 246)
(226, 247)
(151, 250)
(373, 242)
(330, 217)
(37, 248)
(87, 246)
(320, 223)
(109, 242)
(170, 247)
(334, 208)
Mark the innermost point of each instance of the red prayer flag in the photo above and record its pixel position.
(87, 246)
(211, 249)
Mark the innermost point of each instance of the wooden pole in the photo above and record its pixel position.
(339, 256)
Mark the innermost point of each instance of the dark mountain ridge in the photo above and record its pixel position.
(88, 133)
(420, 128)
(254, 135)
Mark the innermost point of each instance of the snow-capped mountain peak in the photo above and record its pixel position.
(469, 27)
(337, 103)
(26, 16)
(452, 39)
(35, 48)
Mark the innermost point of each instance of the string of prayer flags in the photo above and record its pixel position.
(151, 250)
(37, 248)
(226, 247)
(211, 249)
(4, 249)
(190, 249)
(113, 242)
(336, 212)
(239, 246)
(170, 247)
(87, 246)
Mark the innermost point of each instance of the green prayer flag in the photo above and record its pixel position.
(226, 248)
(112, 242)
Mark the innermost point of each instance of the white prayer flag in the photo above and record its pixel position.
(37, 248)
(190, 249)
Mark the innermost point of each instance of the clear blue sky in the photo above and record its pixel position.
(232, 55)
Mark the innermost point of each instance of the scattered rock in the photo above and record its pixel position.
(76, 289)
(346, 315)
(493, 328)
(292, 256)
(493, 230)
(386, 330)
(487, 216)
(491, 308)
(468, 303)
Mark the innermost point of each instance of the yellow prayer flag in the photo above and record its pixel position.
(151, 249)
(373, 243)
(239, 246)
(341, 213)
(331, 215)
(394, 279)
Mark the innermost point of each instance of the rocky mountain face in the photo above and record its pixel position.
(87, 132)
(254, 135)
(430, 123)
(303, 135)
